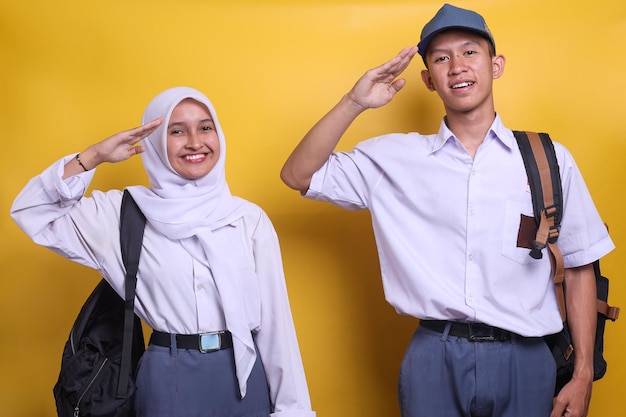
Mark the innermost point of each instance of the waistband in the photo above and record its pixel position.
(474, 332)
(204, 342)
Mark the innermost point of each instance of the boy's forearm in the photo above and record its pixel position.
(318, 144)
(582, 316)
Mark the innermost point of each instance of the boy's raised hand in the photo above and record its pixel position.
(378, 86)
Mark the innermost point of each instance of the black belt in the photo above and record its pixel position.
(474, 332)
(204, 342)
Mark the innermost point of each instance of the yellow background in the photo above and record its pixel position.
(73, 72)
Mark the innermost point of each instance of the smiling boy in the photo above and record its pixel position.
(446, 212)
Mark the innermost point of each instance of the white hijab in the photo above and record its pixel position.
(180, 208)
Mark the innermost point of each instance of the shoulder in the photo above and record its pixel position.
(254, 225)
(408, 138)
(564, 157)
(248, 208)
(251, 213)
(394, 144)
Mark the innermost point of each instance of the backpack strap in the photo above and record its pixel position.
(610, 312)
(544, 180)
(602, 285)
(132, 224)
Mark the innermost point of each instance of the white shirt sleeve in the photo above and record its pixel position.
(276, 338)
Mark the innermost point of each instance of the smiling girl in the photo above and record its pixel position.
(210, 268)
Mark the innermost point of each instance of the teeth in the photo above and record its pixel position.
(194, 157)
(461, 85)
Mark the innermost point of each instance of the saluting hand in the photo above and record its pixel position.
(119, 147)
(124, 145)
(378, 86)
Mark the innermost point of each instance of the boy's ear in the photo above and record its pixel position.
(498, 62)
(427, 80)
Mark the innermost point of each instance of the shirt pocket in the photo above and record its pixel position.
(519, 231)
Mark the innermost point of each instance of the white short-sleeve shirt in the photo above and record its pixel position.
(446, 226)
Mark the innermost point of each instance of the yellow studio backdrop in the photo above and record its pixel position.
(73, 72)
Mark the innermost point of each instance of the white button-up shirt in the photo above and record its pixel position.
(446, 226)
(176, 292)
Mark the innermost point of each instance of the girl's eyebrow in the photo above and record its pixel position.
(174, 124)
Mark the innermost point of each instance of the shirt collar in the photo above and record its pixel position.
(496, 131)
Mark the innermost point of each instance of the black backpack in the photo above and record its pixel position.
(100, 357)
(545, 185)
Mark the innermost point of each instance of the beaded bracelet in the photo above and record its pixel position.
(80, 163)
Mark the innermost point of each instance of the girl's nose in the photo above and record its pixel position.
(194, 142)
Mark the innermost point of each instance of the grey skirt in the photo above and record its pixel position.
(188, 383)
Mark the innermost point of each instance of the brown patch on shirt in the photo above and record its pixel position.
(527, 232)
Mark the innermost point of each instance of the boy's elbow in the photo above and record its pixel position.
(292, 181)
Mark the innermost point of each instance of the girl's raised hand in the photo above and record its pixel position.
(122, 145)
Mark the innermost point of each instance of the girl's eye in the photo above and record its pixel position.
(207, 128)
(176, 132)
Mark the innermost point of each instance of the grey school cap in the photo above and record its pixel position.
(451, 17)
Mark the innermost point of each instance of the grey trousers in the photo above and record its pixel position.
(188, 383)
(446, 376)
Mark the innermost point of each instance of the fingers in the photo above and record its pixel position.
(404, 59)
(138, 133)
(398, 84)
(398, 64)
(379, 85)
(136, 150)
(124, 144)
